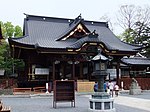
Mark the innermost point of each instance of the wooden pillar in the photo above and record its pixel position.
(62, 69)
(29, 70)
(73, 70)
(81, 70)
(117, 72)
(13, 68)
(53, 70)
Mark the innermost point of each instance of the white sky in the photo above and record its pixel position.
(12, 10)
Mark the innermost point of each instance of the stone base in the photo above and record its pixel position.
(102, 105)
(135, 91)
(112, 110)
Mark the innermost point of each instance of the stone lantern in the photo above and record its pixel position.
(101, 101)
(100, 68)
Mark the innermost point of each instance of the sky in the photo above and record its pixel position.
(12, 10)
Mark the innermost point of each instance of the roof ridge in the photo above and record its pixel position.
(62, 18)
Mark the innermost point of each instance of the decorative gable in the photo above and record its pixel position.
(75, 30)
(77, 33)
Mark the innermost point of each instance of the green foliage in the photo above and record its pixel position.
(139, 35)
(17, 31)
(6, 61)
(136, 24)
(19, 64)
(127, 36)
(9, 30)
(141, 32)
(3, 45)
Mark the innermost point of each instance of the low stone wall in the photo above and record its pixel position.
(85, 86)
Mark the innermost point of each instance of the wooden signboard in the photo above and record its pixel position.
(64, 91)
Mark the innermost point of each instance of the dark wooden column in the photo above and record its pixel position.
(53, 70)
(29, 69)
(117, 72)
(62, 69)
(73, 70)
(81, 70)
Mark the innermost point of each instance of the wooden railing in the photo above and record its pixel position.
(21, 90)
(39, 89)
(34, 90)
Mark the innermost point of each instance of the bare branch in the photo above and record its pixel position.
(129, 14)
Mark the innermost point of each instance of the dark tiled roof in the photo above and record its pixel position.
(46, 31)
(136, 61)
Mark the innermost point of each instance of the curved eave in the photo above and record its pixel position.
(131, 64)
(136, 61)
(47, 50)
(71, 50)
(136, 47)
(104, 47)
(20, 45)
(38, 48)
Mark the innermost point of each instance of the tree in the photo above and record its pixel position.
(141, 34)
(129, 16)
(2, 52)
(9, 30)
(17, 31)
(136, 24)
(6, 61)
(127, 36)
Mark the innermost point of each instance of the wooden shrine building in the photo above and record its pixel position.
(138, 67)
(61, 48)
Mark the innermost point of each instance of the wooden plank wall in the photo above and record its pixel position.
(85, 86)
(143, 82)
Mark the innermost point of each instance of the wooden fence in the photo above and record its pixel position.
(143, 82)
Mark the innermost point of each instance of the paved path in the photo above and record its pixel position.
(123, 103)
(138, 103)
